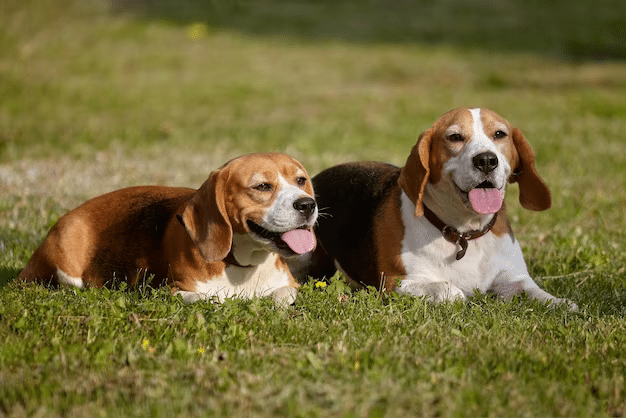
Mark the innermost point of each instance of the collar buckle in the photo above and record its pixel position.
(453, 235)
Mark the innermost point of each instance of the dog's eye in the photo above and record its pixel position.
(499, 134)
(263, 187)
(301, 181)
(455, 137)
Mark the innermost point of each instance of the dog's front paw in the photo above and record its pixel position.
(536, 293)
(284, 296)
(433, 291)
(561, 301)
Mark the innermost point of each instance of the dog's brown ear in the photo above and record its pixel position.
(206, 220)
(533, 192)
(415, 173)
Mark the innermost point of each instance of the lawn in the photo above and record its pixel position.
(97, 95)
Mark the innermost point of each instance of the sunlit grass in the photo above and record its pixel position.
(96, 96)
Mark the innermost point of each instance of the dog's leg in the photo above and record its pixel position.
(506, 285)
(284, 296)
(191, 297)
(433, 291)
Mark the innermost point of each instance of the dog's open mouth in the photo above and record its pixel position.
(299, 241)
(485, 198)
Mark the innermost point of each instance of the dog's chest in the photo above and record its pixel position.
(427, 255)
(245, 282)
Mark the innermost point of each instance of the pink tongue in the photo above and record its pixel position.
(299, 240)
(486, 200)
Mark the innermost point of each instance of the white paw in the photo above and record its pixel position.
(536, 293)
(570, 304)
(284, 296)
(433, 291)
(192, 297)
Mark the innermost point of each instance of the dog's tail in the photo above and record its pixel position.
(39, 270)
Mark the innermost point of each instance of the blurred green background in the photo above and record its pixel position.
(312, 76)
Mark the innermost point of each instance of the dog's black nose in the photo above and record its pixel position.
(305, 205)
(485, 161)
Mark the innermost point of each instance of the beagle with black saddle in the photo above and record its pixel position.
(437, 227)
(228, 238)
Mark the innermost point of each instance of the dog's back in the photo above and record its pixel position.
(349, 197)
(107, 223)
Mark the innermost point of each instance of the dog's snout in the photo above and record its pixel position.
(485, 161)
(305, 205)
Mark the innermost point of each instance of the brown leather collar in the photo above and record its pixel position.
(453, 235)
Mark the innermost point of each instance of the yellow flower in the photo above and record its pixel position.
(200, 350)
(145, 344)
(197, 30)
(320, 284)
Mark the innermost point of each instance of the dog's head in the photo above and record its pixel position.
(470, 155)
(267, 197)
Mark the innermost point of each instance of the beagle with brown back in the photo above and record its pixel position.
(228, 238)
(437, 227)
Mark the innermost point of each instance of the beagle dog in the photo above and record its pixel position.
(437, 227)
(228, 238)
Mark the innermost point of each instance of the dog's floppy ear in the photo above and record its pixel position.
(533, 192)
(206, 220)
(414, 175)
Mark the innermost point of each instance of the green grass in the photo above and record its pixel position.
(333, 354)
(99, 95)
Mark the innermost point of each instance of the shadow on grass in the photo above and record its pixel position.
(569, 29)
(7, 275)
